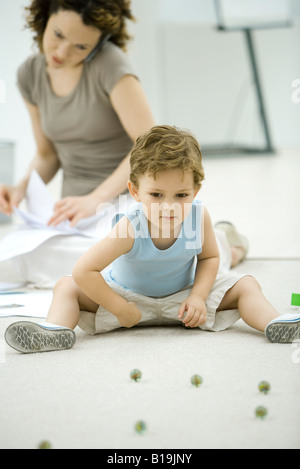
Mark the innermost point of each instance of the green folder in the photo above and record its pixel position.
(295, 299)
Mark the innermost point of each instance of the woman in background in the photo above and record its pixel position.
(86, 104)
(87, 108)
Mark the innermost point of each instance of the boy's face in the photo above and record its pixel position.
(166, 199)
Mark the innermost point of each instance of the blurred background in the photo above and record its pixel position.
(198, 77)
(194, 75)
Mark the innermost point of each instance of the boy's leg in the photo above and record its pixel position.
(63, 316)
(257, 312)
(246, 296)
(68, 300)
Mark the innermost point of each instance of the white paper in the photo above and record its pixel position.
(40, 206)
(6, 287)
(34, 231)
(27, 304)
(39, 200)
(23, 240)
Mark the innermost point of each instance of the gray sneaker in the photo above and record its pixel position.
(31, 337)
(284, 329)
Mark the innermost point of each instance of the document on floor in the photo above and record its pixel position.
(34, 230)
(26, 304)
(7, 287)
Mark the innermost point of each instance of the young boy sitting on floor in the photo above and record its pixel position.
(163, 262)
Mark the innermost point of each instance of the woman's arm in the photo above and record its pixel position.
(46, 163)
(130, 103)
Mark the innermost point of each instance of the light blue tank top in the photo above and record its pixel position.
(154, 272)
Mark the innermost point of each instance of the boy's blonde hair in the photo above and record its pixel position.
(166, 147)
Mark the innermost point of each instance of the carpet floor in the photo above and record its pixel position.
(84, 397)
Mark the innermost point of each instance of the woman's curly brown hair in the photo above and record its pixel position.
(109, 16)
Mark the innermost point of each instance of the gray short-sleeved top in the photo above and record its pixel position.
(88, 136)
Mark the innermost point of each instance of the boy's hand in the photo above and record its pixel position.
(195, 309)
(131, 316)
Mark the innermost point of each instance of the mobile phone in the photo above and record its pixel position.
(103, 40)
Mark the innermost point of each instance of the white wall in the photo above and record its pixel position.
(194, 76)
(15, 46)
(210, 89)
(204, 77)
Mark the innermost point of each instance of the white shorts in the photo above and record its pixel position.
(163, 311)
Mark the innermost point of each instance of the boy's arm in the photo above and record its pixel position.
(206, 271)
(86, 272)
(207, 261)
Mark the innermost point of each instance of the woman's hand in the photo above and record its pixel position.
(74, 209)
(10, 196)
(195, 309)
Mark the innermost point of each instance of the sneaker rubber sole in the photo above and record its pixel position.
(284, 332)
(29, 337)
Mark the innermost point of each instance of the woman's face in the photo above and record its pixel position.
(67, 41)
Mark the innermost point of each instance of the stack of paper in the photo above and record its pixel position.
(35, 230)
